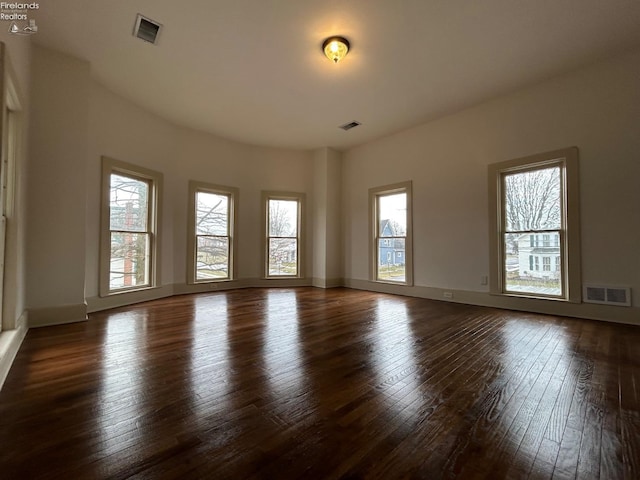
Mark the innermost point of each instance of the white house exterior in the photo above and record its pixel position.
(539, 255)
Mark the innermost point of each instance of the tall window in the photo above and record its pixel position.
(129, 227)
(534, 209)
(283, 226)
(211, 232)
(10, 126)
(391, 233)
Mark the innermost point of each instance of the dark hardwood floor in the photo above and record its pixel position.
(311, 383)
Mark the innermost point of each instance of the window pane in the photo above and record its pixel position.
(532, 200)
(212, 214)
(129, 204)
(129, 265)
(391, 260)
(392, 215)
(528, 261)
(212, 258)
(283, 218)
(283, 256)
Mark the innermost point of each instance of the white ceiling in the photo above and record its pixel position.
(253, 70)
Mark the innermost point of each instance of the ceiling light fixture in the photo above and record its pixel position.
(335, 48)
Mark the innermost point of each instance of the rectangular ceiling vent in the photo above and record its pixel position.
(147, 29)
(350, 125)
(607, 295)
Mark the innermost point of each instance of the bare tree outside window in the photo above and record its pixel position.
(129, 231)
(212, 236)
(283, 237)
(532, 227)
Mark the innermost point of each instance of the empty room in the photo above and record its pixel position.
(318, 239)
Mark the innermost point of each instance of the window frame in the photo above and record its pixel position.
(155, 180)
(232, 193)
(569, 232)
(11, 129)
(374, 195)
(300, 239)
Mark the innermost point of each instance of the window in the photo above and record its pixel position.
(130, 204)
(10, 129)
(212, 242)
(283, 226)
(535, 213)
(391, 238)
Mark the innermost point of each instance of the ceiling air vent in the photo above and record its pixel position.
(350, 125)
(607, 295)
(147, 29)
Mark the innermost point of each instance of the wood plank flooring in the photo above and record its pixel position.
(311, 383)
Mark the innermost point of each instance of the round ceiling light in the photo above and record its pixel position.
(335, 48)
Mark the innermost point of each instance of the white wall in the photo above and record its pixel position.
(120, 130)
(123, 131)
(57, 187)
(327, 205)
(596, 109)
(76, 122)
(207, 158)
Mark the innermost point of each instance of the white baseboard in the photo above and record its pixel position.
(277, 282)
(327, 282)
(627, 315)
(10, 341)
(58, 315)
(95, 304)
(186, 288)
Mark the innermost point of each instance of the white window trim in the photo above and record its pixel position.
(374, 193)
(11, 130)
(301, 199)
(109, 166)
(567, 159)
(233, 194)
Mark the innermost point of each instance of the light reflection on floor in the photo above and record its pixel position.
(522, 425)
(284, 369)
(121, 394)
(209, 356)
(394, 357)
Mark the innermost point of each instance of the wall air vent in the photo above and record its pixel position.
(147, 29)
(607, 295)
(350, 125)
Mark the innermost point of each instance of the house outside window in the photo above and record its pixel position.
(535, 220)
(391, 233)
(129, 227)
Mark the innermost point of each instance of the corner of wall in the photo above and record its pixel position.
(57, 315)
